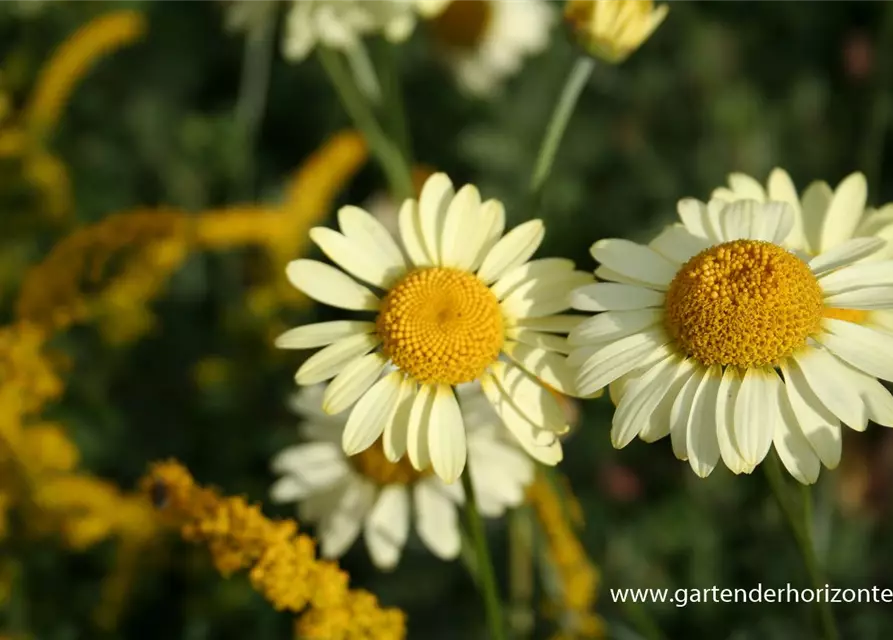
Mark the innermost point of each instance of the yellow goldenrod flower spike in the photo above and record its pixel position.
(73, 60)
(577, 576)
(613, 29)
(281, 562)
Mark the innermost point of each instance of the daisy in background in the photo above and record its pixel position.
(719, 336)
(485, 42)
(367, 492)
(461, 302)
(613, 29)
(339, 24)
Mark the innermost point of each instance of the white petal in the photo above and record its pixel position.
(746, 187)
(371, 413)
(436, 520)
(635, 261)
(537, 339)
(614, 359)
(825, 376)
(512, 250)
(602, 273)
(352, 382)
(417, 428)
(844, 211)
(544, 296)
(699, 220)
(878, 401)
(680, 410)
(446, 435)
(816, 199)
(844, 253)
(396, 431)
(341, 526)
(550, 324)
(793, 448)
(411, 234)
(307, 469)
(460, 229)
(858, 276)
(820, 427)
(387, 526)
(361, 226)
(540, 444)
(609, 296)
(327, 363)
(701, 438)
(781, 189)
(870, 298)
(437, 193)
(614, 325)
(321, 334)
(726, 398)
(658, 424)
(640, 398)
(678, 244)
(548, 366)
(756, 414)
(528, 271)
(533, 400)
(492, 223)
(866, 349)
(331, 286)
(356, 258)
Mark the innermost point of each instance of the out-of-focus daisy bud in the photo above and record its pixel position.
(613, 29)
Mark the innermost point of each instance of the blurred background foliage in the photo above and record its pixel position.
(183, 363)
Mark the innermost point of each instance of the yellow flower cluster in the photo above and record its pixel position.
(578, 577)
(281, 563)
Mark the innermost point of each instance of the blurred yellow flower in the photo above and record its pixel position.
(613, 29)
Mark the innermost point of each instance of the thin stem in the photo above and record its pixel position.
(394, 111)
(392, 162)
(487, 578)
(561, 115)
(521, 579)
(801, 528)
(254, 86)
(881, 107)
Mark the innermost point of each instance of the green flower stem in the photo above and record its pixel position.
(394, 110)
(561, 115)
(254, 88)
(486, 576)
(521, 576)
(801, 529)
(387, 154)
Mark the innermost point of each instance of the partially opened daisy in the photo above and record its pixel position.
(720, 337)
(367, 492)
(485, 42)
(461, 302)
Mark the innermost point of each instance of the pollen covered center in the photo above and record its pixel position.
(745, 303)
(373, 464)
(463, 25)
(441, 326)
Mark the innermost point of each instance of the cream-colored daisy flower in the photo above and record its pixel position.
(485, 42)
(722, 338)
(368, 493)
(613, 29)
(461, 302)
(341, 24)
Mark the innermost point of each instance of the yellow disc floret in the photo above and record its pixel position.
(373, 464)
(463, 25)
(441, 326)
(745, 303)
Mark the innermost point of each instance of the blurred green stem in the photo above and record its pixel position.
(521, 618)
(561, 115)
(882, 105)
(254, 87)
(387, 153)
(486, 575)
(394, 111)
(801, 528)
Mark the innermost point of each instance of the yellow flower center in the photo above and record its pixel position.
(463, 24)
(745, 303)
(441, 326)
(373, 464)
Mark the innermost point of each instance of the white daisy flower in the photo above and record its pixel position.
(613, 29)
(367, 492)
(720, 337)
(486, 41)
(341, 24)
(461, 302)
